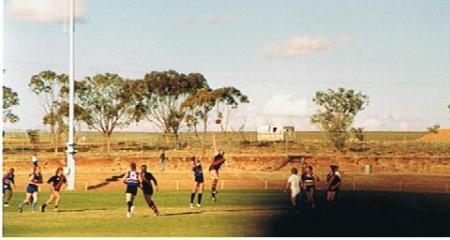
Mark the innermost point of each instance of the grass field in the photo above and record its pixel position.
(237, 213)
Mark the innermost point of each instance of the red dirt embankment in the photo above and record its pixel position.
(269, 171)
(442, 135)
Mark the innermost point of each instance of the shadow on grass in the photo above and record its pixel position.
(368, 214)
(84, 210)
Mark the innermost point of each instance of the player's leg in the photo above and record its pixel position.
(25, 201)
(57, 196)
(49, 201)
(201, 187)
(151, 204)
(215, 180)
(128, 197)
(313, 205)
(35, 200)
(7, 195)
(194, 191)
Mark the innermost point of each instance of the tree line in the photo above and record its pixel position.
(169, 100)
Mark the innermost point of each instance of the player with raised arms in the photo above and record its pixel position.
(8, 182)
(32, 190)
(132, 179)
(56, 183)
(198, 182)
(148, 180)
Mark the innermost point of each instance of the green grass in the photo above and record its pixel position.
(237, 213)
(102, 214)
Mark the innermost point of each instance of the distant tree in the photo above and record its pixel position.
(205, 100)
(33, 136)
(337, 110)
(359, 136)
(106, 102)
(10, 100)
(434, 129)
(162, 100)
(51, 89)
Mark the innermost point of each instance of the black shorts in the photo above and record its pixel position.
(309, 187)
(132, 189)
(147, 191)
(6, 186)
(199, 179)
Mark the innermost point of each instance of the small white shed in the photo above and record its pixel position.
(273, 133)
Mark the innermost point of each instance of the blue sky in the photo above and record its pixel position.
(279, 53)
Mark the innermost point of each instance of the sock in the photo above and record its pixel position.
(199, 199)
(192, 197)
(130, 204)
(21, 205)
(43, 206)
(33, 206)
(152, 205)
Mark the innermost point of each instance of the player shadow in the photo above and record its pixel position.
(180, 214)
(249, 210)
(85, 209)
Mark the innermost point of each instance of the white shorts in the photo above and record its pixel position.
(294, 193)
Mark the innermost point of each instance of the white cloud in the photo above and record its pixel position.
(370, 124)
(287, 105)
(404, 126)
(297, 46)
(43, 10)
(214, 19)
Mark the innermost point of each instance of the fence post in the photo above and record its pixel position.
(266, 185)
(178, 185)
(222, 183)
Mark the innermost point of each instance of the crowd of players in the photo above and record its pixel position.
(145, 181)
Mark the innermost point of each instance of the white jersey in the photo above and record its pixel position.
(294, 180)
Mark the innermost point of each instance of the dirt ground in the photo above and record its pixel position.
(401, 174)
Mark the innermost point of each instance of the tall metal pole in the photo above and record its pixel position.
(71, 142)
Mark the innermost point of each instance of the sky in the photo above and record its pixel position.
(278, 53)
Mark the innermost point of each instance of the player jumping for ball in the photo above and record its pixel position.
(218, 161)
(56, 182)
(8, 182)
(147, 188)
(132, 179)
(198, 182)
(32, 189)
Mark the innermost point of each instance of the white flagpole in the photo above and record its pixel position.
(71, 143)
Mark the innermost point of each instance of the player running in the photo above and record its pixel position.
(334, 182)
(147, 188)
(56, 182)
(293, 185)
(8, 182)
(198, 182)
(219, 159)
(309, 184)
(132, 179)
(32, 189)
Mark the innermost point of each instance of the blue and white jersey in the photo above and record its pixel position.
(132, 178)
